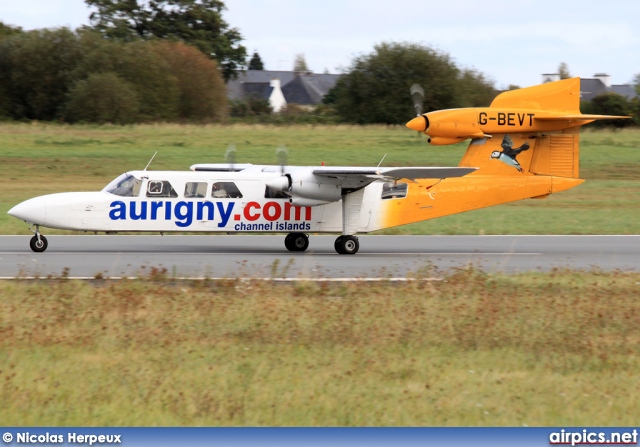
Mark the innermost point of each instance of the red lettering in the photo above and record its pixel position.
(287, 211)
(297, 212)
(247, 211)
(271, 211)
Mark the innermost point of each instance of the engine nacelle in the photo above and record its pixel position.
(441, 141)
(307, 189)
(448, 126)
(306, 185)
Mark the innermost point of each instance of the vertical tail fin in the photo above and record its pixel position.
(560, 96)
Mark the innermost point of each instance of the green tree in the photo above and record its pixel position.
(609, 104)
(138, 64)
(474, 89)
(563, 71)
(375, 88)
(202, 92)
(300, 64)
(37, 70)
(196, 22)
(256, 62)
(636, 83)
(9, 30)
(103, 98)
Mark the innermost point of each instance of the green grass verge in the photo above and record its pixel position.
(559, 348)
(37, 159)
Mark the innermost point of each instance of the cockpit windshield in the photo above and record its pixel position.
(125, 185)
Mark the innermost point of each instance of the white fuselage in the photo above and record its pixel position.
(198, 201)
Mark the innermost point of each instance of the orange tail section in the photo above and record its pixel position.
(560, 96)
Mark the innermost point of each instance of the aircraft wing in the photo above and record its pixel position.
(392, 173)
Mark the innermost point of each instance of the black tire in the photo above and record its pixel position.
(347, 245)
(38, 245)
(296, 242)
(336, 244)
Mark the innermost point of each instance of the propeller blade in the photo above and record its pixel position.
(283, 154)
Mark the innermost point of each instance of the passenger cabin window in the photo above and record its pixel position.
(392, 190)
(225, 190)
(124, 186)
(195, 190)
(160, 188)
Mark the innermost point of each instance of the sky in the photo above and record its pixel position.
(511, 42)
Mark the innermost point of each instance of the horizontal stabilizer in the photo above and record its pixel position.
(578, 117)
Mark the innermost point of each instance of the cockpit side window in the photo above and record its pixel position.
(160, 188)
(124, 186)
(225, 190)
(392, 190)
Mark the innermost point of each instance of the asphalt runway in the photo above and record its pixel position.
(249, 256)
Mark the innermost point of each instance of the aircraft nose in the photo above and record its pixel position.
(419, 123)
(32, 211)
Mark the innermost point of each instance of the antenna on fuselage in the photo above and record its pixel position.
(381, 160)
(230, 156)
(154, 156)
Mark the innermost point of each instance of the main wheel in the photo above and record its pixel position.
(336, 244)
(296, 242)
(347, 245)
(38, 245)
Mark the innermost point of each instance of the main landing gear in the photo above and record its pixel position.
(347, 244)
(296, 242)
(344, 245)
(38, 243)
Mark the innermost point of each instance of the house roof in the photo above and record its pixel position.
(259, 90)
(625, 90)
(297, 88)
(590, 88)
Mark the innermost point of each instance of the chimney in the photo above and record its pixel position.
(605, 78)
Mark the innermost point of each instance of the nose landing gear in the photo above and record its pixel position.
(38, 243)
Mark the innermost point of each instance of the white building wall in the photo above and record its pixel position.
(276, 100)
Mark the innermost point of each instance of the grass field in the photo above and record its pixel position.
(559, 348)
(37, 159)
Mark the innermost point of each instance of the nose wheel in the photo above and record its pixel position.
(38, 243)
(296, 242)
(347, 245)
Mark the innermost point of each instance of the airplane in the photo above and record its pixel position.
(524, 145)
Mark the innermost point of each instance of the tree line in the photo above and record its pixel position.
(169, 60)
(78, 76)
